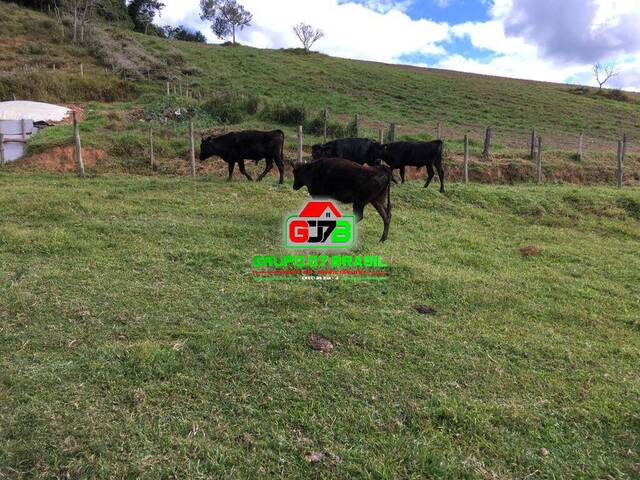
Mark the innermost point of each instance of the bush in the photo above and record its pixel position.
(334, 129)
(617, 94)
(174, 107)
(192, 71)
(285, 114)
(231, 106)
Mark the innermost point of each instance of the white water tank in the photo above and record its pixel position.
(15, 133)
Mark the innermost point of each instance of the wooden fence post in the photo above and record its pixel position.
(539, 161)
(357, 124)
(466, 159)
(579, 154)
(326, 123)
(487, 144)
(624, 146)
(152, 157)
(23, 129)
(81, 70)
(299, 144)
(532, 154)
(192, 150)
(392, 132)
(168, 89)
(619, 172)
(381, 136)
(439, 131)
(78, 144)
(2, 161)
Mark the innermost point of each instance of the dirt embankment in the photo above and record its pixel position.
(60, 159)
(498, 170)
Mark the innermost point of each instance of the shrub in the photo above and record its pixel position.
(617, 94)
(285, 114)
(334, 129)
(174, 107)
(192, 71)
(231, 106)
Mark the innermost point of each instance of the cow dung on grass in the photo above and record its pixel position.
(319, 343)
(425, 310)
(530, 251)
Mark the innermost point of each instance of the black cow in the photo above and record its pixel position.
(415, 154)
(348, 182)
(236, 147)
(359, 150)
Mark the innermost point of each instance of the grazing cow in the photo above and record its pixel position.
(236, 147)
(348, 182)
(415, 154)
(359, 150)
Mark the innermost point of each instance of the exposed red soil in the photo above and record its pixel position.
(78, 108)
(60, 159)
(12, 42)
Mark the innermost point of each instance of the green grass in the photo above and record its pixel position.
(133, 341)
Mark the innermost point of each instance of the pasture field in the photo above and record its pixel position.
(134, 342)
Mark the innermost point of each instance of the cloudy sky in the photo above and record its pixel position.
(550, 40)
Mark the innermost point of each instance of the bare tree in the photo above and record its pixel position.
(604, 73)
(226, 16)
(307, 34)
(81, 12)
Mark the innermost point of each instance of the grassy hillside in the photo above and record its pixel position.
(135, 343)
(414, 98)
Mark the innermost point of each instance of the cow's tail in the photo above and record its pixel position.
(438, 159)
(389, 193)
(281, 146)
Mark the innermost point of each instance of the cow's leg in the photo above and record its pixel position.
(430, 174)
(231, 165)
(267, 168)
(440, 175)
(243, 171)
(358, 211)
(402, 173)
(280, 166)
(384, 214)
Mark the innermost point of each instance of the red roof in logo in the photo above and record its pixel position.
(316, 209)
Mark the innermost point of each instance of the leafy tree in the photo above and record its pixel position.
(307, 35)
(142, 12)
(184, 33)
(226, 16)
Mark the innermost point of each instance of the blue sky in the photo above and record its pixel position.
(547, 40)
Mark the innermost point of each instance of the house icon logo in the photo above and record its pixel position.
(320, 224)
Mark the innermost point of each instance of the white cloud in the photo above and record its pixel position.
(380, 30)
(513, 56)
(352, 30)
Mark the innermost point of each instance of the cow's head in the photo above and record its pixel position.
(208, 148)
(382, 153)
(317, 151)
(375, 154)
(300, 175)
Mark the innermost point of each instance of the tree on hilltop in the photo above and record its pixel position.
(226, 17)
(604, 73)
(307, 35)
